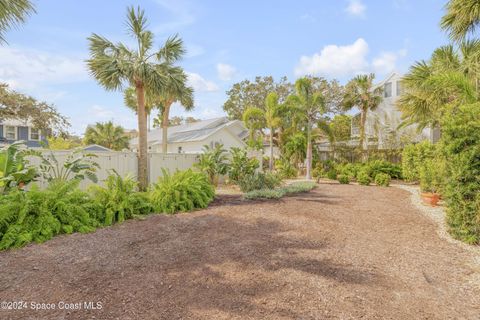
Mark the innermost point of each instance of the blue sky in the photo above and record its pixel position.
(227, 41)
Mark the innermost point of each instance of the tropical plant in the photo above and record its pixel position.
(462, 18)
(285, 168)
(259, 180)
(15, 169)
(428, 177)
(295, 149)
(341, 126)
(12, 14)
(76, 166)
(413, 157)
(213, 162)
(343, 179)
(375, 167)
(106, 134)
(63, 143)
(272, 121)
(115, 66)
(254, 120)
(382, 179)
(363, 177)
(241, 165)
(311, 105)
(361, 93)
(181, 191)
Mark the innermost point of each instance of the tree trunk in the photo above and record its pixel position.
(363, 119)
(270, 161)
(309, 152)
(142, 138)
(165, 116)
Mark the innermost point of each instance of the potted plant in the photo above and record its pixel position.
(429, 183)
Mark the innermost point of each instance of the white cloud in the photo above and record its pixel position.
(387, 61)
(181, 12)
(101, 112)
(336, 61)
(356, 8)
(28, 68)
(225, 71)
(199, 83)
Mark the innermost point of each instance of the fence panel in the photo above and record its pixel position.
(170, 162)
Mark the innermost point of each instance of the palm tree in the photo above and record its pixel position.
(115, 66)
(450, 77)
(272, 121)
(360, 93)
(254, 120)
(171, 93)
(106, 134)
(311, 106)
(130, 99)
(13, 13)
(462, 18)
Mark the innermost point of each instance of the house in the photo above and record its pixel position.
(14, 130)
(191, 137)
(383, 122)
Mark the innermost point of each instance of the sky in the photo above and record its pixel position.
(226, 42)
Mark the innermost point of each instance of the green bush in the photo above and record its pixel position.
(349, 169)
(213, 162)
(181, 191)
(300, 186)
(343, 179)
(258, 181)
(332, 174)
(413, 156)
(382, 179)
(381, 166)
(118, 200)
(39, 215)
(296, 187)
(241, 165)
(363, 177)
(461, 148)
(285, 168)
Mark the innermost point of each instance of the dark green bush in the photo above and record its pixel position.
(332, 174)
(381, 166)
(363, 177)
(349, 169)
(343, 179)
(413, 156)
(259, 181)
(382, 179)
(461, 148)
(181, 191)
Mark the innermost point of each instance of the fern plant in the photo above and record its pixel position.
(213, 161)
(181, 191)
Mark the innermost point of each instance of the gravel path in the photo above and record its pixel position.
(339, 252)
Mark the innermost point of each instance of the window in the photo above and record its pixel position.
(179, 150)
(400, 88)
(387, 90)
(34, 134)
(10, 133)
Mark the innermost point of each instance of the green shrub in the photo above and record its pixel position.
(343, 179)
(241, 165)
(349, 169)
(258, 181)
(381, 166)
(15, 169)
(39, 215)
(461, 148)
(413, 156)
(300, 186)
(213, 162)
(181, 191)
(296, 187)
(429, 176)
(285, 168)
(382, 179)
(363, 177)
(332, 174)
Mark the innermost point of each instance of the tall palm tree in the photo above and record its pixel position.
(360, 93)
(171, 93)
(116, 66)
(461, 19)
(311, 106)
(272, 121)
(254, 120)
(13, 13)
(130, 100)
(106, 134)
(449, 77)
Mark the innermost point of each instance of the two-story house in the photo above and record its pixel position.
(14, 130)
(383, 122)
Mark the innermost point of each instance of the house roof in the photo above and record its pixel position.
(96, 147)
(189, 132)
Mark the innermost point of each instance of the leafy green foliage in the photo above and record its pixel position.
(241, 165)
(461, 149)
(277, 193)
(363, 177)
(381, 166)
(213, 161)
(382, 179)
(332, 174)
(285, 168)
(413, 157)
(343, 179)
(181, 191)
(106, 134)
(118, 200)
(259, 181)
(15, 169)
(348, 169)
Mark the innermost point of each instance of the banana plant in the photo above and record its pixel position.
(15, 170)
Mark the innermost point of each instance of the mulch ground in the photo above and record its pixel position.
(341, 251)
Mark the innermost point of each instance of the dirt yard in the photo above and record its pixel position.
(341, 251)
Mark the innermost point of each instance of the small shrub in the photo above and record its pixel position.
(300, 186)
(241, 165)
(332, 174)
(363, 177)
(381, 166)
(258, 181)
(413, 157)
(181, 191)
(343, 179)
(296, 187)
(349, 169)
(285, 168)
(213, 162)
(382, 179)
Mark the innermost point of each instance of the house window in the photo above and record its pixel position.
(10, 133)
(400, 88)
(387, 90)
(34, 134)
(179, 150)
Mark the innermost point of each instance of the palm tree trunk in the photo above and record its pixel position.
(270, 161)
(363, 119)
(309, 151)
(148, 121)
(165, 116)
(142, 139)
